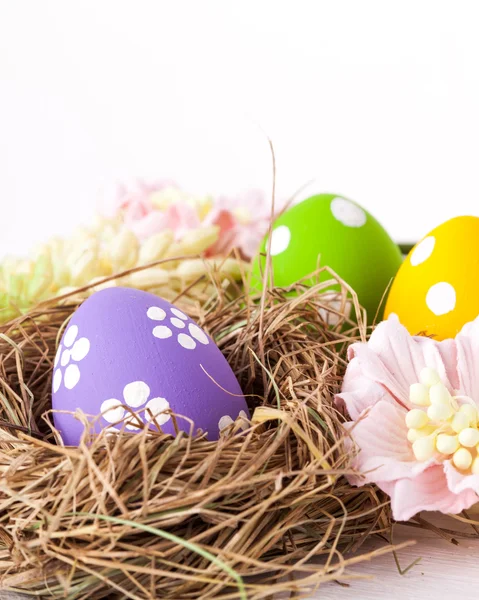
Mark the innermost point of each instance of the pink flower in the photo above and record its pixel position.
(139, 214)
(243, 220)
(414, 419)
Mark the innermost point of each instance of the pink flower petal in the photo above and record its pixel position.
(457, 482)
(445, 352)
(359, 393)
(467, 342)
(245, 234)
(427, 491)
(133, 201)
(394, 359)
(224, 219)
(181, 217)
(255, 201)
(154, 222)
(228, 225)
(250, 236)
(384, 451)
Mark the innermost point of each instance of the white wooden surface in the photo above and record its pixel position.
(445, 570)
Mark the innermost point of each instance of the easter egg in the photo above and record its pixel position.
(436, 290)
(125, 350)
(329, 230)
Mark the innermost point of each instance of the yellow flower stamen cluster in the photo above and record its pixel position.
(444, 426)
(106, 248)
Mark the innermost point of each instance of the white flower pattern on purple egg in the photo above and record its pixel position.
(135, 395)
(178, 321)
(75, 350)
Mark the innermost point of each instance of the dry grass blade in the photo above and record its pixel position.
(151, 516)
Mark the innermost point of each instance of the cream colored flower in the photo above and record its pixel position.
(108, 247)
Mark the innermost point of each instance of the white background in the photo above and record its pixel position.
(377, 100)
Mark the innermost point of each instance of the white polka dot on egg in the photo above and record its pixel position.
(136, 393)
(162, 332)
(133, 423)
(441, 298)
(423, 251)
(70, 335)
(198, 334)
(57, 380)
(348, 213)
(155, 409)
(186, 341)
(280, 238)
(112, 410)
(72, 376)
(65, 358)
(80, 349)
(57, 355)
(179, 314)
(177, 323)
(155, 313)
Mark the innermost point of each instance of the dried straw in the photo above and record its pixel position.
(146, 515)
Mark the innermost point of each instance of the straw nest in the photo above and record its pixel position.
(146, 515)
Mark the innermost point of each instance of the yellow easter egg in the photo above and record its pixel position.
(436, 290)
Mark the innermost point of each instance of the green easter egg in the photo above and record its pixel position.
(329, 230)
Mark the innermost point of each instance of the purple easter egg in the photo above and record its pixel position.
(125, 347)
